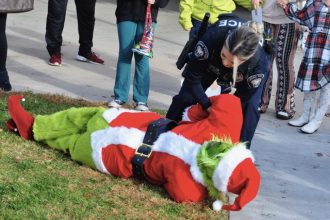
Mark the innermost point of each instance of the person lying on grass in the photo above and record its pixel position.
(200, 157)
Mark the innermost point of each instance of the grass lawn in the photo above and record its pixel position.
(37, 182)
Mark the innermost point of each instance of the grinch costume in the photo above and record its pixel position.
(185, 160)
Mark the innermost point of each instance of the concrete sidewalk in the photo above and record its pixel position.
(295, 167)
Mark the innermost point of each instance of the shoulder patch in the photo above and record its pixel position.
(255, 80)
(201, 52)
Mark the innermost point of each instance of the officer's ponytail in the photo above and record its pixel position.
(242, 42)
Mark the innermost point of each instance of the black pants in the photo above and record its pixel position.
(3, 49)
(55, 24)
(3, 42)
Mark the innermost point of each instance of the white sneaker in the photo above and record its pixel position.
(141, 106)
(90, 58)
(116, 103)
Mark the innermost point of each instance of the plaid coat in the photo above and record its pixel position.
(314, 71)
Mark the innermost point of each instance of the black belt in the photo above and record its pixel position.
(144, 151)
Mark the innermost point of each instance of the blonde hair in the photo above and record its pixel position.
(242, 42)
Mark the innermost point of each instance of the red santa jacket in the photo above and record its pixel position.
(173, 160)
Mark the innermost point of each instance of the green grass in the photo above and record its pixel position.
(37, 182)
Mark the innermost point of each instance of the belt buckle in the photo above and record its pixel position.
(142, 154)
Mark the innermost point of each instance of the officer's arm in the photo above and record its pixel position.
(250, 92)
(254, 80)
(196, 68)
(244, 90)
(197, 91)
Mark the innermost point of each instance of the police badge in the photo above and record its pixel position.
(255, 80)
(201, 52)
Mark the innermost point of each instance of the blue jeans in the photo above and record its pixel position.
(129, 34)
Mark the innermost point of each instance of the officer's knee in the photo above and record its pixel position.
(183, 99)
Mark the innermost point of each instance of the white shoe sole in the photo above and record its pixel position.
(54, 64)
(83, 59)
(114, 104)
(297, 125)
(142, 108)
(308, 131)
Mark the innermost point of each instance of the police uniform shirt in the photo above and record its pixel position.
(205, 61)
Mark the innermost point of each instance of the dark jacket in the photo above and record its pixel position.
(205, 62)
(135, 10)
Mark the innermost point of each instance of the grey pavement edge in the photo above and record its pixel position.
(295, 167)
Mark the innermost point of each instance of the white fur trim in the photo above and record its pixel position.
(194, 168)
(176, 145)
(185, 115)
(182, 148)
(227, 165)
(217, 205)
(112, 113)
(130, 137)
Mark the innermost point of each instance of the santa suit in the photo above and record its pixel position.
(172, 162)
(173, 159)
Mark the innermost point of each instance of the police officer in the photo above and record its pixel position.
(227, 43)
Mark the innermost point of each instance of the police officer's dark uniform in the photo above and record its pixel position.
(205, 66)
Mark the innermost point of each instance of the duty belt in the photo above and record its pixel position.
(144, 151)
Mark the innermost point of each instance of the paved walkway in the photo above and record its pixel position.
(295, 167)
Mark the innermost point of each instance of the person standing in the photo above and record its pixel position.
(192, 11)
(225, 45)
(314, 71)
(130, 16)
(4, 78)
(8, 6)
(285, 35)
(54, 28)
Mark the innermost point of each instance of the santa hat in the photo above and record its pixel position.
(228, 167)
(19, 117)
